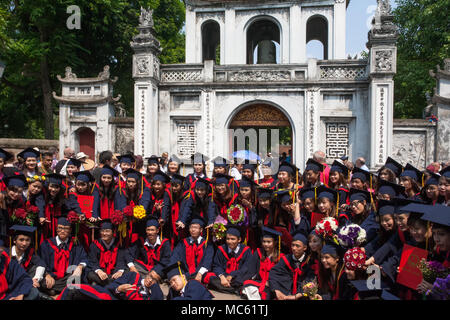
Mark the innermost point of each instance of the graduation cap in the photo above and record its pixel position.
(234, 230)
(176, 268)
(360, 195)
(392, 189)
(28, 231)
(177, 178)
(386, 207)
(270, 233)
(199, 158)
(246, 182)
(445, 172)
(344, 158)
(63, 222)
(363, 175)
(153, 160)
(314, 165)
(222, 179)
(174, 158)
(126, 158)
(202, 183)
(161, 176)
(5, 155)
(412, 172)
(249, 166)
(307, 193)
(323, 192)
(264, 193)
(107, 170)
(75, 162)
(330, 248)
(283, 195)
(366, 293)
(220, 162)
(15, 181)
(106, 224)
(197, 219)
(288, 167)
(339, 167)
(438, 214)
(433, 180)
(55, 178)
(152, 222)
(299, 236)
(84, 176)
(131, 173)
(394, 166)
(29, 153)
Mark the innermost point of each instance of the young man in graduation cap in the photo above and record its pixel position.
(286, 277)
(194, 251)
(106, 258)
(361, 179)
(183, 289)
(30, 157)
(312, 173)
(15, 283)
(230, 264)
(62, 258)
(25, 254)
(160, 204)
(150, 255)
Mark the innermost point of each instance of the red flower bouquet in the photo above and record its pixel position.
(72, 217)
(117, 217)
(235, 214)
(128, 211)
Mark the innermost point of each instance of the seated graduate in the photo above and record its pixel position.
(257, 288)
(230, 264)
(183, 289)
(60, 255)
(26, 256)
(15, 283)
(150, 255)
(194, 251)
(106, 259)
(331, 271)
(287, 276)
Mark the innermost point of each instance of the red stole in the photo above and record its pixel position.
(61, 259)
(52, 214)
(332, 288)
(28, 260)
(297, 272)
(193, 252)
(106, 208)
(445, 263)
(134, 294)
(107, 257)
(232, 263)
(152, 254)
(3, 282)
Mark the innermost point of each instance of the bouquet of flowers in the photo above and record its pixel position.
(310, 289)
(139, 212)
(236, 214)
(219, 228)
(432, 270)
(351, 236)
(73, 218)
(440, 289)
(19, 216)
(326, 229)
(117, 217)
(128, 211)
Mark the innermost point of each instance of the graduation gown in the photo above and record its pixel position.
(235, 265)
(85, 292)
(193, 290)
(222, 206)
(57, 260)
(190, 207)
(155, 259)
(370, 225)
(53, 212)
(141, 293)
(30, 261)
(195, 255)
(14, 281)
(164, 213)
(109, 261)
(286, 277)
(259, 268)
(103, 207)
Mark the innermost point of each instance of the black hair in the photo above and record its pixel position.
(105, 156)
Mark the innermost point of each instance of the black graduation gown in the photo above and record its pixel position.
(155, 259)
(30, 261)
(190, 207)
(14, 281)
(109, 261)
(152, 293)
(195, 256)
(288, 278)
(193, 290)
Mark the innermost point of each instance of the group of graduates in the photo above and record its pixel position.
(108, 235)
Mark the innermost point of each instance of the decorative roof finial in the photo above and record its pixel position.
(146, 18)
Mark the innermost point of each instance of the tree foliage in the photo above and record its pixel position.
(36, 45)
(424, 38)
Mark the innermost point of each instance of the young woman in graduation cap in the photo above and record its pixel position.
(126, 161)
(312, 173)
(430, 191)
(72, 166)
(444, 186)
(176, 202)
(5, 156)
(390, 171)
(199, 163)
(126, 199)
(153, 166)
(160, 204)
(35, 196)
(224, 195)
(331, 272)
(412, 179)
(107, 187)
(263, 259)
(338, 181)
(30, 157)
(264, 209)
(288, 177)
(247, 199)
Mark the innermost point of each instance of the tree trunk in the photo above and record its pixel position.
(46, 94)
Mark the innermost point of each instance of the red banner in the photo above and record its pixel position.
(409, 274)
(316, 217)
(86, 203)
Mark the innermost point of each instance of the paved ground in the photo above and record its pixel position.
(217, 295)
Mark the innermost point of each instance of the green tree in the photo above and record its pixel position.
(36, 45)
(424, 37)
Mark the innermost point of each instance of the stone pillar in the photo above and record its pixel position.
(146, 75)
(441, 109)
(340, 11)
(383, 66)
(190, 35)
(233, 53)
(296, 44)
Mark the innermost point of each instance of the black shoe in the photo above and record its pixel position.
(43, 296)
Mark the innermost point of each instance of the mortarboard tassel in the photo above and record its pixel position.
(35, 240)
(426, 241)
(423, 183)
(93, 186)
(337, 205)
(207, 237)
(181, 274)
(279, 248)
(142, 185)
(315, 196)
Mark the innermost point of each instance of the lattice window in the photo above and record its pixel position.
(343, 73)
(181, 76)
(337, 138)
(186, 138)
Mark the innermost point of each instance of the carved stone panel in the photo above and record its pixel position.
(260, 115)
(337, 140)
(186, 138)
(124, 140)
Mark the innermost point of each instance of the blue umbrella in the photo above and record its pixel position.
(245, 154)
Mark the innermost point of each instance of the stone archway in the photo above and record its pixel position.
(260, 116)
(86, 139)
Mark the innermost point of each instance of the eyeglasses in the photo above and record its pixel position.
(355, 203)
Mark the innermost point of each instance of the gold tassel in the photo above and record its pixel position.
(207, 237)
(142, 184)
(426, 241)
(315, 195)
(93, 186)
(279, 248)
(337, 205)
(35, 240)
(181, 274)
